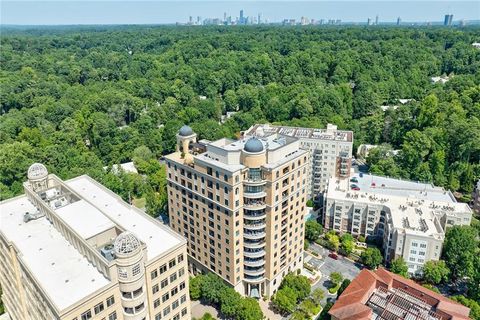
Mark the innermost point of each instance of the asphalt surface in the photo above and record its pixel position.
(327, 265)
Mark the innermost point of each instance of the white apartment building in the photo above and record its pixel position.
(410, 217)
(74, 250)
(330, 151)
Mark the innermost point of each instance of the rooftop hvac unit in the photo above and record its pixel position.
(32, 216)
(108, 252)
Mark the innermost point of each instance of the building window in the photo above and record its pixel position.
(136, 270)
(175, 304)
(112, 316)
(156, 303)
(110, 301)
(155, 288)
(181, 272)
(182, 286)
(183, 299)
(172, 263)
(154, 274)
(174, 291)
(184, 311)
(164, 283)
(158, 316)
(165, 297)
(173, 277)
(86, 315)
(99, 308)
(166, 311)
(180, 258)
(122, 273)
(163, 268)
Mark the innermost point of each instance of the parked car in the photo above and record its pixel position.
(354, 179)
(333, 255)
(356, 189)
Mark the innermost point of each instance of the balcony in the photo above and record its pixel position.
(254, 262)
(253, 253)
(254, 215)
(254, 224)
(254, 244)
(253, 235)
(253, 278)
(254, 205)
(255, 272)
(254, 195)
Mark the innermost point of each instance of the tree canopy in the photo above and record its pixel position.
(81, 98)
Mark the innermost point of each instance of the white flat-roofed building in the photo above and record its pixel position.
(410, 217)
(330, 151)
(75, 250)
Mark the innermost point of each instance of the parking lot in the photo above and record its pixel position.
(327, 265)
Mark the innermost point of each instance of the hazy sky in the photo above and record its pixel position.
(156, 11)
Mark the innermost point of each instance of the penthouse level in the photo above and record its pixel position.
(75, 250)
(330, 151)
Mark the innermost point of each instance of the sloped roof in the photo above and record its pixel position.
(352, 302)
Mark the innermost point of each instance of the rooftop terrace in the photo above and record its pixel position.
(329, 134)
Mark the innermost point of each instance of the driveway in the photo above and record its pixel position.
(327, 265)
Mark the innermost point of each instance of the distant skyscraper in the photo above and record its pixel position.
(242, 19)
(224, 16)
(259, 18)
(369, 21)
(399, 21)
(199, 20)
(448, 20)
(190, 20)
(376, 20)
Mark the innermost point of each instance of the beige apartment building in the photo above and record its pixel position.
(241, 205)
(410, 217)
(74, 250)
(330, 151)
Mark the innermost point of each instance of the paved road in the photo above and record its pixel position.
(327, 265)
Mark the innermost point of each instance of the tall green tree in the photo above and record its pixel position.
(459, 250)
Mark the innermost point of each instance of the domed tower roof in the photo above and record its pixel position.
(185, 131)
(126, 243)
(253, 145)
(37, 171)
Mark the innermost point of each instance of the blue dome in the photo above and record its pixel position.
(253, 145)
(185, 131)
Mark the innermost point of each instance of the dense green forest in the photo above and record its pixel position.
(79, 99)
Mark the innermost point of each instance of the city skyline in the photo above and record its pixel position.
(169, 12)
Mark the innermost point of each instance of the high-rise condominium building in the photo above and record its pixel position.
(410, 217)
(74, 250)
(241, 205)
(447, 21)
(330, 151)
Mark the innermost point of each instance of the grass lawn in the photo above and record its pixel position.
(139, 203)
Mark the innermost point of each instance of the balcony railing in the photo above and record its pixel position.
(254, 195)
(253, 234)
(256, 224)
(254, 262)
(253, 253)
(255, 204)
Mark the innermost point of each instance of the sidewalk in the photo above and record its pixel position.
(198, 310)
(269, 314)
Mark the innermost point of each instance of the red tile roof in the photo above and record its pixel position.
(351, 303)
